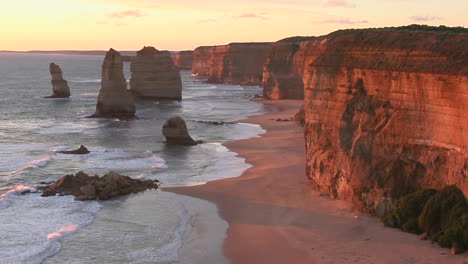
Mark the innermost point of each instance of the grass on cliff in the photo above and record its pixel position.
(442, 215)
(417, 28)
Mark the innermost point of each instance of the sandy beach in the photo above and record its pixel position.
(275, 216)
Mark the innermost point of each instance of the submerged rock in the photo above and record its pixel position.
(59, 85)
(85, 187)
(114, 100)
(79, 151)
(176, 133)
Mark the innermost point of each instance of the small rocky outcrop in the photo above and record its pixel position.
(82, 150)
(85, 187)
(184, 59)
(176, 133)
(114, 100)
(154, 75)
(59, 85)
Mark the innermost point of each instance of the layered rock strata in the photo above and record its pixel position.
(201, 63)
(154, 75)
(60, 87)
(184, 59)
(283, 70)
(386, 113)
(114, 100)
(238, 63)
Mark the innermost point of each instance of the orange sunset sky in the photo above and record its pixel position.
(179, 24)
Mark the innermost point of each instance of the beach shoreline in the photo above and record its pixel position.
(275, 216)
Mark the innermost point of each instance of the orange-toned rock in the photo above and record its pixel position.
(154, 75)
(283, 70)
(386, 113)
(238, 63)
(184, 59)
(202, 60)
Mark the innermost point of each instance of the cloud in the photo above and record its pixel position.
(425, 18)
(209, 20)
(339, 3)
(250, 15)
(343, 21)
(126, 13)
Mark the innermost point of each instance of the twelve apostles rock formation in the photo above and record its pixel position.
(114, 100)
(184, 59)
(176, 133)
(386, 114)
(235, 63)
(59, 85)
(154, 75)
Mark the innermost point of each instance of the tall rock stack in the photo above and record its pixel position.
(114, 100)
(59, 85)
(154, 75)
(184, 59)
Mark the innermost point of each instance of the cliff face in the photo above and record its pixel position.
(238, 63)
(202, 60)
(386, 113)
(60, 87)
(114, 100)
(184, 59)
(283, 70)
(155, 76)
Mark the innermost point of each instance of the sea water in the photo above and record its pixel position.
(149, 227)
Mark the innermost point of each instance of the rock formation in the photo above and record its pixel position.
(59, 85)
(82, 150)
(85, 187)
(114, 100)
(238, 63)
(176, 133)
(386, 114)
(201, 63)
(283, 70)
(184, 59)
(154, 75)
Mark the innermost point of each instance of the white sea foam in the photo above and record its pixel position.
(86, 81)
(31, 226)
(20, 156)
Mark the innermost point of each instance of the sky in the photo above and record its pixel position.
(186, 24)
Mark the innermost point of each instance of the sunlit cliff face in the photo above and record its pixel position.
(179, 24)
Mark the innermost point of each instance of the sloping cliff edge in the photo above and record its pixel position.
(386, 113)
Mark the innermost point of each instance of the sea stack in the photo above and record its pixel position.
(114, 100)
(59, 85)
(176, 133)
(154, 75)
(184, 59)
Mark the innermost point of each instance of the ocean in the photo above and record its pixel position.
(149, 227)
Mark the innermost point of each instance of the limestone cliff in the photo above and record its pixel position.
(238, 63)
(60, 87)
(386, 113)
(283, 70)
(184, 59)
(114, 100)
(154, 75)
(202, 60)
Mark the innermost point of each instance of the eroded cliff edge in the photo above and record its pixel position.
(235, 63)
(386, 113)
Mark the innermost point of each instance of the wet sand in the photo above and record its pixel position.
(275, 216)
